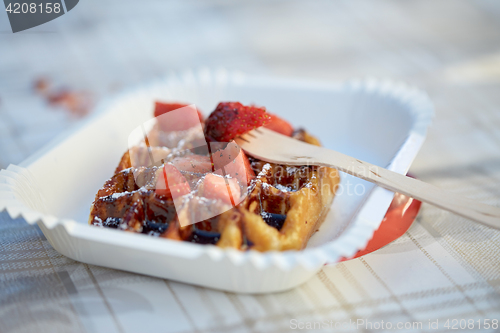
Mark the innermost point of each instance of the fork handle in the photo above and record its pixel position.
(393, 181)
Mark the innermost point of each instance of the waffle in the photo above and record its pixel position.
(280, 210)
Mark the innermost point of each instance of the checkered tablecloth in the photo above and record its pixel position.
(444, 268)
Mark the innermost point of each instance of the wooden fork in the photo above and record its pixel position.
(273, 147)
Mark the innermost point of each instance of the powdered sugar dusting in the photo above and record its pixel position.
(118, 195)
(283, 188)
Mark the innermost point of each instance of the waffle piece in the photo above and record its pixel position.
(283, 207)
(283, 211)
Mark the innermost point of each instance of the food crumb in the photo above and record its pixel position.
(76, 103)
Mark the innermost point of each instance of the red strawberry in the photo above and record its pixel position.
(193, 163)
(279, 125)
(171, 182)
(235, 163)
(231, 119)
(176, 121)
(215, 187)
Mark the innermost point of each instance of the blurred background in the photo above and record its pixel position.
(52, 75)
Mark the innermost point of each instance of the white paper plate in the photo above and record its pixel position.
(381, 122)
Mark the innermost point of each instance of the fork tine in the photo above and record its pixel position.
(254, 137)
(267, 145)
(241, 138)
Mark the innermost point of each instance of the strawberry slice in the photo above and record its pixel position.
(231, 119)
(235, 163)
(177, 121)
(215, 187)
(171, 182)
(193, 163)
(279, 125)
